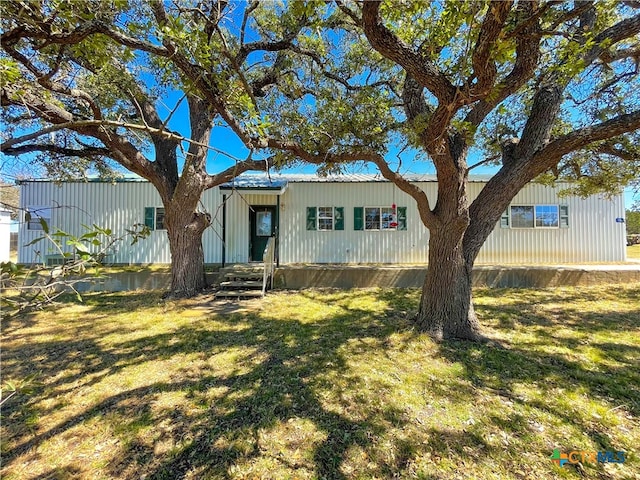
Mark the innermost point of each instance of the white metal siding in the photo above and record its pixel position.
(299, 245)
(117, 206)
(5, 235)
(593, 234)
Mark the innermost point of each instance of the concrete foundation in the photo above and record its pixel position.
(360, 276)
(296, 277)
(128, 281)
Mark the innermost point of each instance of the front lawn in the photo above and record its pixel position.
(322, 385)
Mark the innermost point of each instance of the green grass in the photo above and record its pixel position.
(323, 385)
(633, 252)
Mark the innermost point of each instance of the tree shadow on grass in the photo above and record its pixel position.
(577, 361)
(275, 382)
(276, 392)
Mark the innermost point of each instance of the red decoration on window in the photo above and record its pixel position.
(393, 223)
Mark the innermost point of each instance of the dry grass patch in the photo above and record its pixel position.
(322, 384)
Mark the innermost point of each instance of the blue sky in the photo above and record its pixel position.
(224, 139)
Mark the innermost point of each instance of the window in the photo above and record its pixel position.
(536, 216)
(371, 218)
(547, 216)
(521, 216)
(379, 218)
(154, 218)
(564, 216)
(36, 216)
(325, 218)
(263, 224)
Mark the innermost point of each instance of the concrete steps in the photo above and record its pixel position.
(241, 281)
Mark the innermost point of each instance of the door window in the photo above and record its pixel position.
(263, 224)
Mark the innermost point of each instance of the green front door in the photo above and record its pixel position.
(262, 224)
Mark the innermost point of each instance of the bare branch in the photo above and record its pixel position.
(390, 46)
(250, 8)
(527, 56)
(608, 149)
(555, 150)
(622, 30)
(582, 8)
(80, 33)
(350, 13)
(79, 124)
(484, 69)
(424, 209)
(70, 152)
(483, 162)
(241, 166)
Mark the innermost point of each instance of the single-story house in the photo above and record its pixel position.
(350, 219)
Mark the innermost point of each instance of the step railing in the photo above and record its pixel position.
(269, 260)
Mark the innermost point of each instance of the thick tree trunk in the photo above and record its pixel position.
(187, 256)
(446, 307)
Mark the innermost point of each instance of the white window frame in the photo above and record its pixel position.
(320, 226)
(155, 219)
(38, 212)
(560, 217)
(382, 211)
(546, 206)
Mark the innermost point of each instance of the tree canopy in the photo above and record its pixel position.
(542, 90)
(633, 222)
(99, 82)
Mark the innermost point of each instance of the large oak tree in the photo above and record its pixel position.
(541, 89)
(86, 84)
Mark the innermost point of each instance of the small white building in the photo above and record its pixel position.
(353, 219)
(5, 235)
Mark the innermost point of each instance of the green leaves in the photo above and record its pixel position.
(65, 258)
(9, 71)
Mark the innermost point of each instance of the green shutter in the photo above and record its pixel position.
(504, 219)
(338, 213)
(402, 218)
(311, 218)
(149, 217)
(564, 216)
(358, 218)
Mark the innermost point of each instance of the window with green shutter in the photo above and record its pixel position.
(149, 217)
(311, 218)
(154, 218)
(325, 218)
(339, 216)
(358, 218)
(379, 218)
(504, 219)
(402, 218)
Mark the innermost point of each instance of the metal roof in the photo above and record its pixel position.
(276, 181)
(262, 180)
